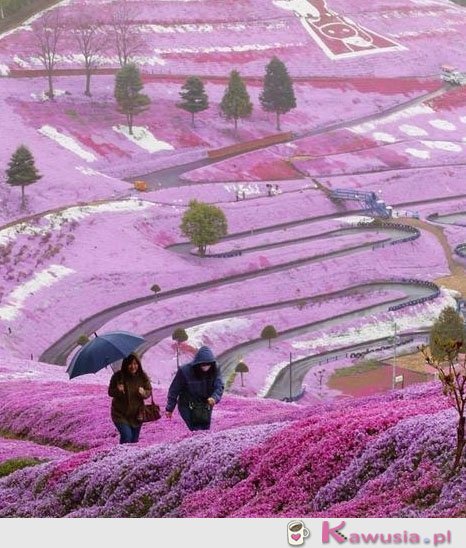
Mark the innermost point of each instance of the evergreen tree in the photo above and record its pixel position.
(448, 328)
(269, 332)
(278, 94)
(193, 97)
(22, 170)
(235, 102)
(130, 101)
(203, 224)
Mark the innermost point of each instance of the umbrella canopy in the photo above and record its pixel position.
(103, 350)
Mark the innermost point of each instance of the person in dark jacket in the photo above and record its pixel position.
(196, 384)
(128, 388)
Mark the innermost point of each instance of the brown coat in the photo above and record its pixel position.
(126, 406)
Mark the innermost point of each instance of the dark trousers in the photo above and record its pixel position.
(128, 434)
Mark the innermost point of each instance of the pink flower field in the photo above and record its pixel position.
(328, 270)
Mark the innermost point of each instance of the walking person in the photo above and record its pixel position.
(129, 387)
(196, 388)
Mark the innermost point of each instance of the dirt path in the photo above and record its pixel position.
(457, 279)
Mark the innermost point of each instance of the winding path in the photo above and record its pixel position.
(58, 352)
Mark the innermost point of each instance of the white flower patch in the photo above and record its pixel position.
(45, 278)
(44, 97)
(4, 70)
(21, 62)
(443, 145)
(409, 112)
(381, 326)
(91, 172)
(354, 219)
(424, 154)
(54, 221)
(212, 329)
(384, 137)
(442, 124)
(251, 189)
(229, 49)
(143, 138)
(413, 131)
(151, 60)
(67, 142)
(181, 28)
(363, 128)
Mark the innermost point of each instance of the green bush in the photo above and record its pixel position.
(11, 465)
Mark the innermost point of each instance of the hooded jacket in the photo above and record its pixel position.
(187, 386)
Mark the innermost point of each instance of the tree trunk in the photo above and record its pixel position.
(192, 119)
(236, 126)
(241, 373)
(270, 342)
(460, 442)
(202, 250)
(88, 82)
(2, 15)
(23, 204)
(278, 121)
(50, 92)
(129, 117)
(177, 355)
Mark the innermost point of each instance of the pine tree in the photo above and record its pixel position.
(203, 224)
(278, 94)
(193, 97)
(235, 102)
(22, 170)
(130, 101)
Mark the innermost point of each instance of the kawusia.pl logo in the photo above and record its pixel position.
(333, 533)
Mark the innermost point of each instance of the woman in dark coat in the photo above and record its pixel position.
(196, 387)
(128, 388)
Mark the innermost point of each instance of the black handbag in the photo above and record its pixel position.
(149, 412)
(200, 411)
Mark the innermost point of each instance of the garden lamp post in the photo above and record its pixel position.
(290, 376)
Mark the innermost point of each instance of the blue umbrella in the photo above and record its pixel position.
(103, 350)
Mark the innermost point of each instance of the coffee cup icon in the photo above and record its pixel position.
(297, 532)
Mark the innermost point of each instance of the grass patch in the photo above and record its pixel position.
(358, 368)
(66, 445)
(11, 465)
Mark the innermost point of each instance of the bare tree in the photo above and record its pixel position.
(91, 42)
(451, 371)
(127, 37)
(47, 33)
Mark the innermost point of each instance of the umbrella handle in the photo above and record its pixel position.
(95, 334)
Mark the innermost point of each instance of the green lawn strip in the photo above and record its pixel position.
(67, 446)
(360, 367)
(9, 466)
